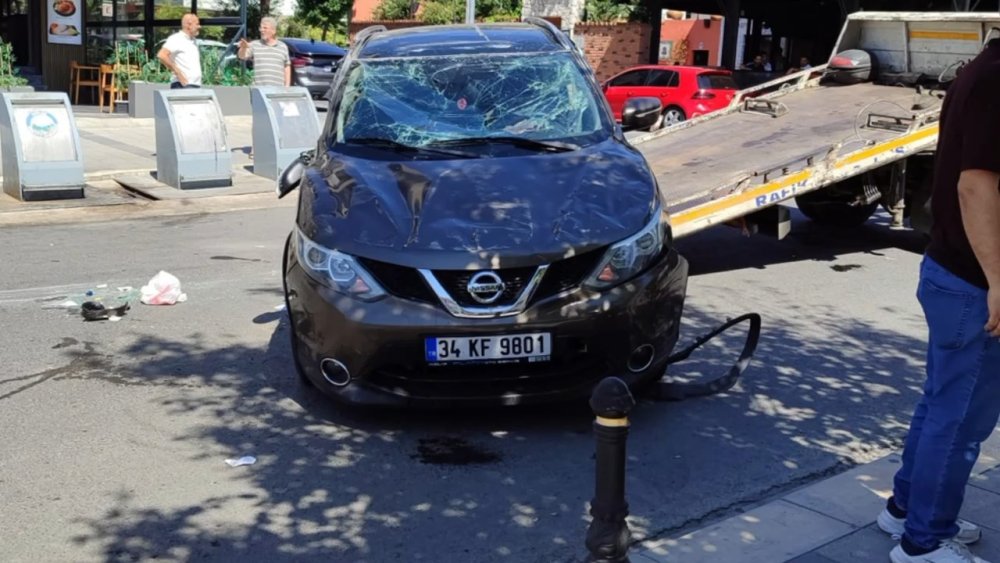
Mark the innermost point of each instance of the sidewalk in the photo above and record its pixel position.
(832, 521)
(119, 156)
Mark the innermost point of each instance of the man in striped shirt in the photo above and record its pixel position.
(271, 64)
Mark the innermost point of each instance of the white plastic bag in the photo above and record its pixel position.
(163, 289)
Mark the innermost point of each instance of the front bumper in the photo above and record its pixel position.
(382, 343)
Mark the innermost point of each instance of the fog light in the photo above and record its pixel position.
(641, 358)
(334, 372)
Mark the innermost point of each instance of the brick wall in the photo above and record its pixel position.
(611, 48)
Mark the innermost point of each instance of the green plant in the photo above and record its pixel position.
(229, 73)
(438, 12)
(608, 11)
(394, 10)
(324, 14)
(132, 62)
(8, 74)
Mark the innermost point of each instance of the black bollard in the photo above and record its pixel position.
(608, 537)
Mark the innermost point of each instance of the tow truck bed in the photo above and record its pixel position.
(742, 150)
(732, 163)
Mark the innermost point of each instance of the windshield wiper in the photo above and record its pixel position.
(521, 142)
(384, 143)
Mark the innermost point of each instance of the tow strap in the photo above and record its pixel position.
(673, 391)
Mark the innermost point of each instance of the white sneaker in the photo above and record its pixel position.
(949, 552)
(968, 533)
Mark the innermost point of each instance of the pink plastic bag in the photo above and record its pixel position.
(163, 289)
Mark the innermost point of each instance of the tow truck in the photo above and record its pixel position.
(839, 139)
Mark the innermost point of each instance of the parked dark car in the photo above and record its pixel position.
(474, 228)
(313, 64)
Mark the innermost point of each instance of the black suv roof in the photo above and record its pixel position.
(460, 40)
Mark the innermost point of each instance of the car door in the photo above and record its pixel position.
(622, 87)
(665, 85)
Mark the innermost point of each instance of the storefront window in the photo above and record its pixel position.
(130, 11)
(167, 10)
(99, 11)
(100, 43)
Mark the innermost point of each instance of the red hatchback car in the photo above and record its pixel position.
(685, 92)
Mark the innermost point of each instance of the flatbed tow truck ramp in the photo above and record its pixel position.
(840, 139)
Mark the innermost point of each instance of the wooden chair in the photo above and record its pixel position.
(108, 86)
(83, 76)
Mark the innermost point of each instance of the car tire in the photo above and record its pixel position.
(293, 338)
(670, 116)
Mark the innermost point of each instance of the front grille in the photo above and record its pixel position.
(403, 282)
(456, 283)
(564, 275)
(407, 283)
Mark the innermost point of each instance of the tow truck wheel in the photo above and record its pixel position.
(837, 214)
(837, 206)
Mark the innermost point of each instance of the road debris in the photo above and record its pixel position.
(163, 289)
(245, 460)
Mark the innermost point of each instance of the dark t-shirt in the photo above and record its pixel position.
(969, 140)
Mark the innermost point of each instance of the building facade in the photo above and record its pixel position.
(48, 35)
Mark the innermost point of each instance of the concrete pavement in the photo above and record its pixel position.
(832, 521)
(119, 156)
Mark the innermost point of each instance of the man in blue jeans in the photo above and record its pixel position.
(960, 294)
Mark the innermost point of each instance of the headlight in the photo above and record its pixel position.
(632, 256)
(339, 271)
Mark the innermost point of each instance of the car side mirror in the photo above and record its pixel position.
(640, 113)
(292, 176)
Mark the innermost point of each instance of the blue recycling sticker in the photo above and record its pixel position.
(42, 123)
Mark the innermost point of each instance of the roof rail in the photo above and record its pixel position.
(367, 32)
(554, 31)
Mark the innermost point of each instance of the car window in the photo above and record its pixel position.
(316, 48)
(421, 100)
(634, 78)
(663, 79)
(709, 81)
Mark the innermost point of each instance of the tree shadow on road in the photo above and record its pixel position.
(512, 485)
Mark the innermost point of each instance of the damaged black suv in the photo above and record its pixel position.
(474, 229)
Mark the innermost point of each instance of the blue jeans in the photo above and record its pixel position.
(958, 410)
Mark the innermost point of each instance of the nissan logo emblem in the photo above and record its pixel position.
(486, 287)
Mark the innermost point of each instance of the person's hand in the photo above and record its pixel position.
(244, 43)
(993, 301)
(182, 79)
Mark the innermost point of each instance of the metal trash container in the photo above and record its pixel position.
(191, 147)
(285, 124)
(40, 144)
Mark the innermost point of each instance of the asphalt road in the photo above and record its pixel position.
(115, 433)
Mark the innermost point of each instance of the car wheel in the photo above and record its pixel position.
(670, 116)
(294, 339)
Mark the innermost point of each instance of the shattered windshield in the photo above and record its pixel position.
(429, 100)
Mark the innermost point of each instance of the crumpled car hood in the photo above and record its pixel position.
(471, 213)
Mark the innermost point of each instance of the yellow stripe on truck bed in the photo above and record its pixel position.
(945, 35)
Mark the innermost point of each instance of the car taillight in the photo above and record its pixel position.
(703, 95)
(299, 61)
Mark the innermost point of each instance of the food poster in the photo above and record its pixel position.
(65, 19)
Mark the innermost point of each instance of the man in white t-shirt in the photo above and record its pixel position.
(180, 54)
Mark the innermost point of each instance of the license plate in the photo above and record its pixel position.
(502, 348)
(327, 69)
